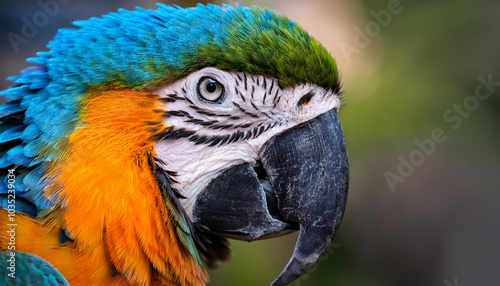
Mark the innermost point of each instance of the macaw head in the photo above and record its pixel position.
(238, 112)
(252, 159)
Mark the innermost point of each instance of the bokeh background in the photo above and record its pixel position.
(416, 216)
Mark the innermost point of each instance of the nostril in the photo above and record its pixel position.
(306, 98)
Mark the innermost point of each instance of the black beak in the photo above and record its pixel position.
(302, 185)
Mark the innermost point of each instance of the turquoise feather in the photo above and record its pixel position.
(29, 270)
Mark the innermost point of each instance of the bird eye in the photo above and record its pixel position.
(210, 90)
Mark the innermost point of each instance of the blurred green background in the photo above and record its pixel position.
(416, 216)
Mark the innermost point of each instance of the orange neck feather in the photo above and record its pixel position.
(109, 199)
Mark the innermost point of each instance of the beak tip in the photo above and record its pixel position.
(293, 270)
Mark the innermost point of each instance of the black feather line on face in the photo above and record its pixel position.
(245, 78)
(249, 135)
(224, 139)
(214, 141)
(275, 96)
(186, 114)
(205, 113)
(241, 95)
(244, 110)
(172, 96)
(208, 113)
(167, 100)
(243, 126)
(174, 113)
(200, 139)
(232, 138)
(277, 101)
(267, 115)
(239, 107)
(221, 127)
(171, 133)
(201, 122)
(261, 130)
(253, 105)
(271, 89)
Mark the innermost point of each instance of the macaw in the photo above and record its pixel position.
(141, 141)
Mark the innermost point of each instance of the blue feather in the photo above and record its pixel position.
(10, 134)
(15, 156)
(10, 107)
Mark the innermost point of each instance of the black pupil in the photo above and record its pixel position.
(211, 86)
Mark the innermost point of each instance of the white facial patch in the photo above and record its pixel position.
(208, 137)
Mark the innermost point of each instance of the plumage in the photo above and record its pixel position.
(110, 144)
